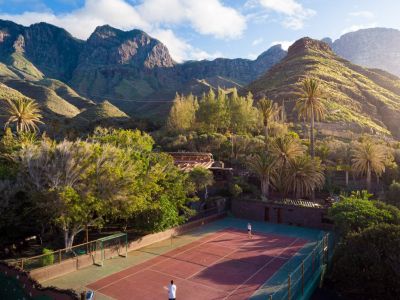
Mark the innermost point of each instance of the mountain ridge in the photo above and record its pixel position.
(360, 99)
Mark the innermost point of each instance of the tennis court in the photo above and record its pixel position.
(223, 265)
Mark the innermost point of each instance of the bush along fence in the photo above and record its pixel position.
(303, 280)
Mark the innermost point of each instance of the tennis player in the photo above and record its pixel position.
(249, 231)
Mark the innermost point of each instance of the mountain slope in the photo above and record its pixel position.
(101, 111)
(359, 100)
(373, 47)
(50, 102)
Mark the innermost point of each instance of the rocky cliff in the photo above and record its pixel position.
(373, 48)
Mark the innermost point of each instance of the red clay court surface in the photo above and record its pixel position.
(223, 265)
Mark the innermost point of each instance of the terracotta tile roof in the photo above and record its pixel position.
(186, 161)
(300, 202)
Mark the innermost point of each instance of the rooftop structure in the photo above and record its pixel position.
(187, 161)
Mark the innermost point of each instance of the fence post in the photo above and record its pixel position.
(302, 277)
(327, 248)
(288, 281)
(59, 256)
(313, 260)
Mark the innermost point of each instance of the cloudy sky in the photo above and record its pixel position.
(205, 29)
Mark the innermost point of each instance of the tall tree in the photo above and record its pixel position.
(305, 175)
(368, 158)
(182, 115)
(24, 112)
(285, 149)
(310, 106)
(262, 165)
(269, 112)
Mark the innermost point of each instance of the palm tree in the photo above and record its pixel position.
(310, 106)
(285, 149)
(304, 176)
(269, 112)
(24, 112)
(368, 157)
(262, 165)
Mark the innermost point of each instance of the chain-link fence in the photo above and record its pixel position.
(55, 257)
(298, 280)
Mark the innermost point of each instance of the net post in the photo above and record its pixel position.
(302, 277)
(126, 245)
(270, 297)
(22, 264)
(102, 254)
(288, 281)
(87, 238)
(59, 256)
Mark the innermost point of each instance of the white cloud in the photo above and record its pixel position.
(363, 14)
(285, 44)
(257, 41)
(155, 17)
(358, 27)
(181, 50)
(252, 56)
(206, 16)
(295, 13)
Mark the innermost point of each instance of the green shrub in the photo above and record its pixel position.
(235, 190)
(47, 259)
(392, 196)
(365, 265)
(354, 214)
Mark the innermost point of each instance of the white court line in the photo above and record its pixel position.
(259, 270)
(148, 268)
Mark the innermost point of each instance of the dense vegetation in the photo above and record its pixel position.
(112, 176)
(366, 260)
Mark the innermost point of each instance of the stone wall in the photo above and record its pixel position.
(281, 214)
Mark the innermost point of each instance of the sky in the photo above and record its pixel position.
(206, 29)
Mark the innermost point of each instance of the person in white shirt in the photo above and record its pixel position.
(249, 230)
(172, 291)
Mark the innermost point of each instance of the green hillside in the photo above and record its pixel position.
(10, 94)
(67, 93)
(23, 67)
(102, 111)
(51, 103)
(358, 100)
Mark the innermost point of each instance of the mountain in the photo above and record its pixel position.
(358, 99)
(40, 50)
(373, 48)
(126, 67)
